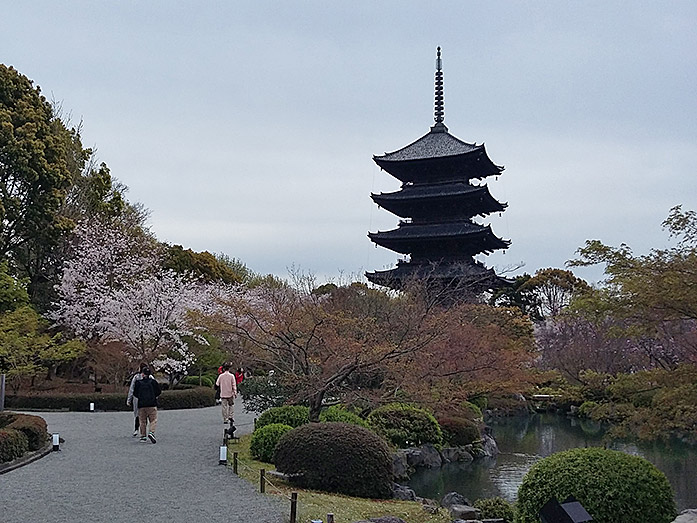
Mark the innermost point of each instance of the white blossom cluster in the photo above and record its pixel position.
(114, 289)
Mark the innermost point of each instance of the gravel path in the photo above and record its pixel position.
(103, 474)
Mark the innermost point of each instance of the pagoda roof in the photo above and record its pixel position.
(455, 198)
(437, 143)
(461, 235)
(438, 156)
(438, 191)
(467, 273)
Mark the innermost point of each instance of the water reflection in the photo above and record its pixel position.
(523, 441)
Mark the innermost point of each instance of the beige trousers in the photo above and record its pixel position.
(228, 405)
(146, 414)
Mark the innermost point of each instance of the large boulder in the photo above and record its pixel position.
(464, 512)
(403, 492)
(687, 516)
(423, 456)
(400, 465)
(490, 448)
(456, 454)
(453, 498)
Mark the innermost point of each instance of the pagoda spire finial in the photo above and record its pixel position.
(439, 113)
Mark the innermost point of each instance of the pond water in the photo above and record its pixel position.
(524, 440)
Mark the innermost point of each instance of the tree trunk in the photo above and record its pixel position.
(316, 405)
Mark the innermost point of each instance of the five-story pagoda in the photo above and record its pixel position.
(438, 202)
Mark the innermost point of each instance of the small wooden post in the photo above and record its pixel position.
(234, 462)
(330, 518)
(262, 481)
(293, 506)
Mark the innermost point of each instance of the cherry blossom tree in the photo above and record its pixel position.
(115, 293)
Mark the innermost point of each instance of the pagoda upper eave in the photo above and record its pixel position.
(466, 166)
(446, 239)
(453, 199)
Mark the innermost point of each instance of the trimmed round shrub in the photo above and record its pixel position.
(13, 444)
(337, 457)
(497, 507)
(459, 432)
(404, 425)
(21, 433)
(264, 441)
(33, 427)
(339, 414)
(293, 415)
(612, 486)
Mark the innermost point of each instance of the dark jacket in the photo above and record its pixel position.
(147, 390)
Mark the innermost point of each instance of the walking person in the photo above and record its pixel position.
(147, 390)
(217, 388)
(228, 392)
(132, 400)
(239, 376)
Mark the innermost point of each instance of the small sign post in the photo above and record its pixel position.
(2, 392)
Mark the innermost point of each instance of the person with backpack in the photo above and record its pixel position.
(147, 390)
(132, 400)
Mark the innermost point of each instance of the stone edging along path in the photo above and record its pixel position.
(103, 474)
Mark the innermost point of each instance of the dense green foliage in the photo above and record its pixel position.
(293, 415)
(650, 405)
(13, 292)
(458, 432)
(27, 347)
(192, 398)
(265, 439)
(35, 166)
(205, 265)
(492, 508)
(337, 457)
(405, 425)
(13, 444)
(204, 381)
(612, 486)
(20, 433)
(339, 414)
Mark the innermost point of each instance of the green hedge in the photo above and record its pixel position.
(459, 432)
(492, 508)
(293, 415)
(337, 457)
(206, 380)
(13, 444)
(189, 398)
(613, 487)
(21, 433)
(264, 441)
(404, 425)
(339, 414)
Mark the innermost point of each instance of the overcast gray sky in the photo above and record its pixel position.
(248, 127)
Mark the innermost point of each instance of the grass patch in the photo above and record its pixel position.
(313, 504)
